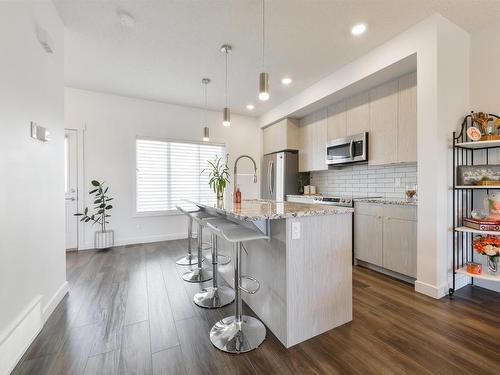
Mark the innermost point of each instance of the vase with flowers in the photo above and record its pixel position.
(490, 246)
(218, 176)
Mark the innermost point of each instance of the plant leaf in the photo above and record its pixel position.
(95, 183)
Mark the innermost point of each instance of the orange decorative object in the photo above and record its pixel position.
(487, 245)
(474, 268)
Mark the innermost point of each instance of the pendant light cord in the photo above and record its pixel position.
(263, 32)
(226, 79)
(206, 106)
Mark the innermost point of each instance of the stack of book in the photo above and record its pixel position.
(482, 224)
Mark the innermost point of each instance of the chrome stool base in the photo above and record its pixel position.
(212, 298)
(231, 336)
(198, 275)
(188, 260)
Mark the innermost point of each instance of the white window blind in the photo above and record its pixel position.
(168, 172)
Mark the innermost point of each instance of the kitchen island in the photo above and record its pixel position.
(304, 267)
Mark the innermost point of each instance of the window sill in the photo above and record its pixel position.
(157, 213)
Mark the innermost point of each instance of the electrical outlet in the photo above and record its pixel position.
(295, 230)
(397, 182)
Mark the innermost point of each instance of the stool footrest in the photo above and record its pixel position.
(250, 291)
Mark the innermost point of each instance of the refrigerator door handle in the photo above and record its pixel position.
(272, 178)
(269, 177)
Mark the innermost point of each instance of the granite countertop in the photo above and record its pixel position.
(259, 209)
(401, 202)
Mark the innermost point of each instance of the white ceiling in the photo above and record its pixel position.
(174, 44)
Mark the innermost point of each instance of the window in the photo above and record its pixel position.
(168, 172)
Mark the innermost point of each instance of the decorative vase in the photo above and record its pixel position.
(220, 193)
(493, 265)
(104, 240)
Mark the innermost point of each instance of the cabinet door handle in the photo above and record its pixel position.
(387, 218)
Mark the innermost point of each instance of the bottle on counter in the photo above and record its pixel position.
(237, 195)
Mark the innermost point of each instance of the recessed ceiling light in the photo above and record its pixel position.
(125, 19)
(250, 107)
(286, 80)
(358, 29)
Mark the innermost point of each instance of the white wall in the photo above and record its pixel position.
(442, 50)
(112, 124)
(32, 254)
(485, 81)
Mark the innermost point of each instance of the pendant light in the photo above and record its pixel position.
(226, 113)
(206, 129)
(264, 76)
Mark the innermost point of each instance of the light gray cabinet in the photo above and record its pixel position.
(284, 135)
(368, 238)
(358, 114)
(407, 118)
(337, 121)
(384, 124)
(312, 142)
(400, 246)
(386, 235)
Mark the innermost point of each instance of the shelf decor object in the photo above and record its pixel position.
(471, 162)
(478, 175)
(490, 246)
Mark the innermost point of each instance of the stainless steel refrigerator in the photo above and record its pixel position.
(279, 175)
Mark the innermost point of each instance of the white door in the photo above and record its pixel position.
(70, 188)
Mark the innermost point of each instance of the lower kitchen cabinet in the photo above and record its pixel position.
(400, 246)
(386, 235)
(368, 238)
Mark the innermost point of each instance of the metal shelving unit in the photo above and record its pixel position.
(466, 153)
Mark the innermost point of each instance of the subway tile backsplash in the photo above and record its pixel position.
(365, 180)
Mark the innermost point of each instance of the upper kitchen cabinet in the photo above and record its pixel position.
(358, 113)
(383, 139)
(312, 142)
(283, 135)
(407, 118)
(336, 121)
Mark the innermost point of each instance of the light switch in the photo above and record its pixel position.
(296, 230)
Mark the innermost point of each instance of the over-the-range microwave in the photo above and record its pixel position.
(352, 149)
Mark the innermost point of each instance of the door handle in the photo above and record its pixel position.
(351, 151)
(71, 199)
(272, 177)
(269, 177)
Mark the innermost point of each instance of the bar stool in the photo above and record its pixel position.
(216, 296)
(238, 333)
(200, 273)
(189, 259)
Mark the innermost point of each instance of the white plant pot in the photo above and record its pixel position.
(104, 240)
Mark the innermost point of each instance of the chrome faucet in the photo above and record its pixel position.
(235, 173)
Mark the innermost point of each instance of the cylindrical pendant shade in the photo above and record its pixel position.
(206, 134)
(264, 86)
(226, 117)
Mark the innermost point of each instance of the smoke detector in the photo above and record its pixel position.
(125, 19)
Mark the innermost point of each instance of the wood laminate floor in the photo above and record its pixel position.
(129, 312)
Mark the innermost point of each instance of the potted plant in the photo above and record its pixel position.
(103, 238)
(218, 177)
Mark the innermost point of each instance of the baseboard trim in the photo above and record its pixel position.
(16, 339)
(142, 239)
(431, 290)
(49, 308)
